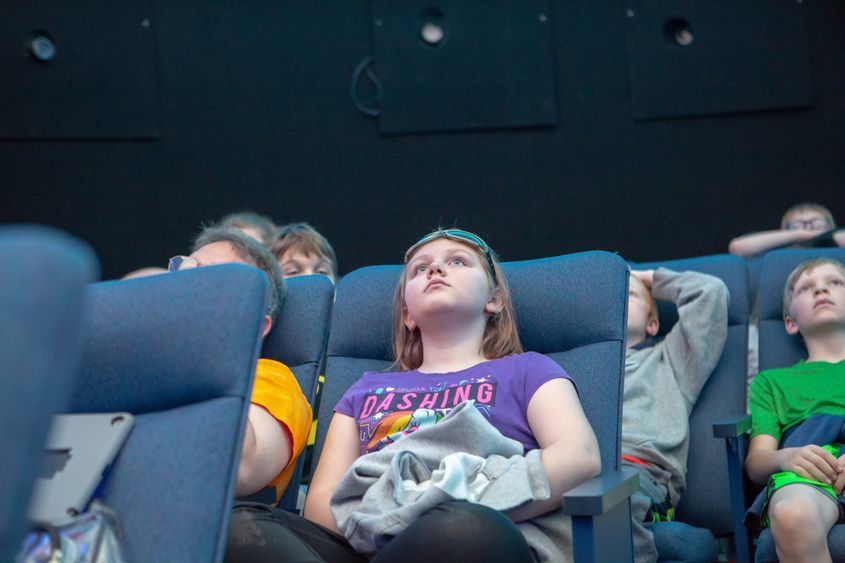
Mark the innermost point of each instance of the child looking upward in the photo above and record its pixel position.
(797, 415)
(454, 330)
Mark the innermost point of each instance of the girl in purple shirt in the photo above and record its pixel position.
(455, 339)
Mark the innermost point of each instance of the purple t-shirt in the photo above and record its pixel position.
(389, 405)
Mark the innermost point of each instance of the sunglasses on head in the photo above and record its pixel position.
(460, 236)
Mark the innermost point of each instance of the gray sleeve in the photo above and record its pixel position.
(695, 344)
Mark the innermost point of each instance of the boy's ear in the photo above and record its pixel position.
(268, 324)
(652, 326)
(409, 322)
(495, 304)
(791, 327)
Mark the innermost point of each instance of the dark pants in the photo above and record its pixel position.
(455, 531)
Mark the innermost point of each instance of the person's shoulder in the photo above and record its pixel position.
(787, 372)
(272, 368)
(534, 360)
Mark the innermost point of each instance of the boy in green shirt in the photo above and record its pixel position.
(780, 399)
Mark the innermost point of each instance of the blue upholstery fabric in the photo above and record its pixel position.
(298, 340)
(779, 349)
(179, 352)
(706, 502)
(43, 274)
(571, 308)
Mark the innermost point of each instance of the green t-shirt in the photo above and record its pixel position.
(781, 398)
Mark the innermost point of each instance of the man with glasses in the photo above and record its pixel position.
(280, 416)
(805, 224)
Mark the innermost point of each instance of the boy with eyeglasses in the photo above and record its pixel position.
(804, 224)
(279, 415)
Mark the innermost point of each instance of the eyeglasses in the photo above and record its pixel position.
(178, 263)
(460, 236)
(815, 224)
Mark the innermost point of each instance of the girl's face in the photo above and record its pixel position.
(447, 279)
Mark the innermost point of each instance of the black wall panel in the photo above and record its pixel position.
(255, 112)
(706, 57)
(463, 64)
(78, 70)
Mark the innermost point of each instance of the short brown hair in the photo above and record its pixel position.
(249, 220)
(807, 206)
(255, 254)
(501, 337)
(806, 266)
(306, 239)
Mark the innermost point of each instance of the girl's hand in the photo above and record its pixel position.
(813, 462)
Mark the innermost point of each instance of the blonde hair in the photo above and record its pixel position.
(807, 206)
(805, 267)
(267, 230)
(501, 337)
(649, 298)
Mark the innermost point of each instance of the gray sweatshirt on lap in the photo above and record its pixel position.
(663, 382)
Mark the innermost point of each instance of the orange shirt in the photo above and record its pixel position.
(276, 390)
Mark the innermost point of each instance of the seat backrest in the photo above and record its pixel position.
(298, 340)
(178, 351)
(777, 348)
(44, 273)
(706, 502)
(571, 308)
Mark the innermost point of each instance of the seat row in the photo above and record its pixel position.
(178, 351)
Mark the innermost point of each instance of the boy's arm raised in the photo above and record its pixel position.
(695, 343)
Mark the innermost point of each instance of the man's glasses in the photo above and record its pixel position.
(816, 224)
(460, 236)
(179, 263)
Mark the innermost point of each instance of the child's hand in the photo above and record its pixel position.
(840, 481)
(813, 462)
(646, 277)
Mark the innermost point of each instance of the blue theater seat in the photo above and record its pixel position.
(298, 340)
(43, 274)
(571, 308)
(179, 352)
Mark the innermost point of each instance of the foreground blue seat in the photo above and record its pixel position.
(43, 274)
(777, 349)
(704, 509)
(178, 351)
(298, 340)
(571, 308)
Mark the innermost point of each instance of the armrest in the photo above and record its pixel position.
(732, 426)
(600, 494)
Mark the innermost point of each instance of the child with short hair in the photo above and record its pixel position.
(662, 383)
(259, 227)
(454, 331)
(302, 250)
(797, 418)
(803, 224)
